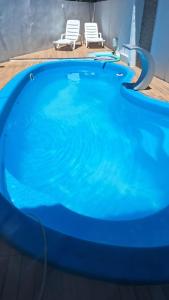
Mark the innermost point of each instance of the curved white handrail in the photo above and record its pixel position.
(148, 68)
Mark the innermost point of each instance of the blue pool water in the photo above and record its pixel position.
(90, 160)
(72, 139)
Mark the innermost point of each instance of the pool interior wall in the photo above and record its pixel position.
(89, 159)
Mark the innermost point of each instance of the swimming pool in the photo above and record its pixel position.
(89, 159)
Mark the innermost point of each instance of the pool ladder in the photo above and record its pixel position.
(31, 76)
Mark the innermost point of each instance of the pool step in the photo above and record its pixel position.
(22, 196)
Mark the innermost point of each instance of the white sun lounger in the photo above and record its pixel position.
(92, 35)
(71, 36)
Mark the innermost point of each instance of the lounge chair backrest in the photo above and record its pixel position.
(91, 30)
(72, 29)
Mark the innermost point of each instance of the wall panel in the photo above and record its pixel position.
(30, 25)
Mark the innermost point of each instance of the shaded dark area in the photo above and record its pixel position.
(148, 23)
(147, 26)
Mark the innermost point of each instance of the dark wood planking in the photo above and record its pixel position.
(28, 270)
(63, 286)
(12, 283)
(157, 293)
(38, 280)
(142, 292)
(3, 274)
(165, 289)
(20, 278)
(127, 293)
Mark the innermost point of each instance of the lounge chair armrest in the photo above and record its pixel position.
(62, 35)
(100, 35)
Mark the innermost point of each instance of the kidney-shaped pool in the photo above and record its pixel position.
(88, 160)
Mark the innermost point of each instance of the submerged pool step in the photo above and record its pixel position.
(22, 196)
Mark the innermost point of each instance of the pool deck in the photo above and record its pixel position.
(158, 88)
(20, 275)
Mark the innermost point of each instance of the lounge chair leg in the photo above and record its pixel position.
(73, 46)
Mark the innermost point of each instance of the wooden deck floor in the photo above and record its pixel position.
(158, 88)
(20, 275)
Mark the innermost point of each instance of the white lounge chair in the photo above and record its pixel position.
(92, 35)
(71, 36)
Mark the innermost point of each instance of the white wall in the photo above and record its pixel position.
(160, 43)
(30, 25)
(115, 19)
